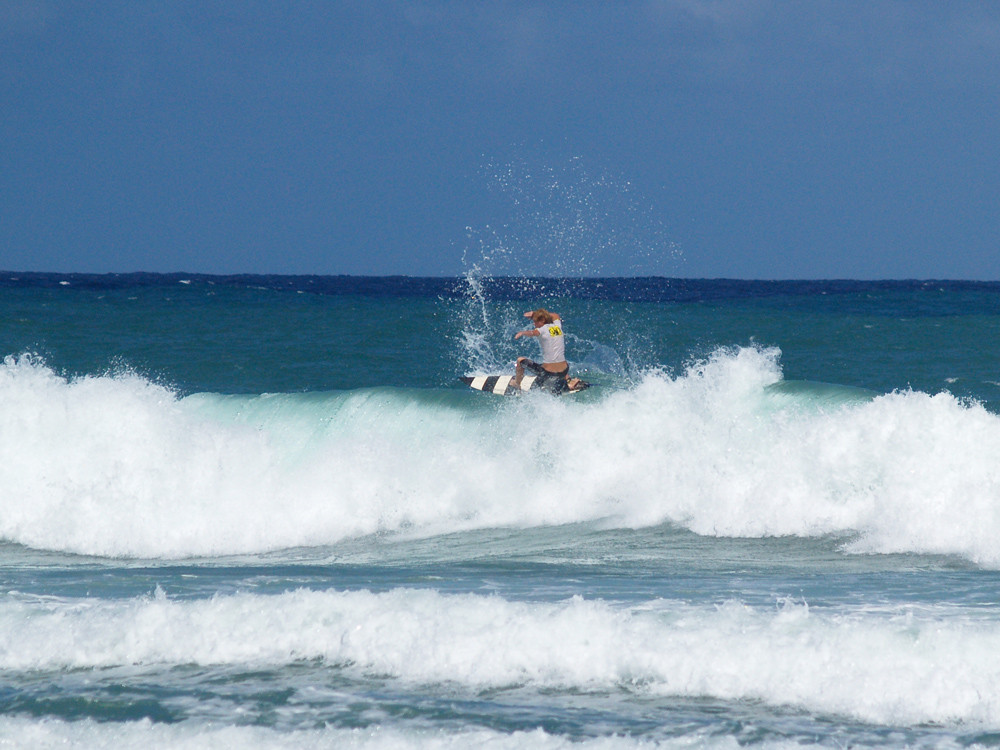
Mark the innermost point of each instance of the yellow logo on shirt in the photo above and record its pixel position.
(555, 331)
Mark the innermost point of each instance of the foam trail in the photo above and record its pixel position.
(119, 466)
(145, 735)
(899, 667)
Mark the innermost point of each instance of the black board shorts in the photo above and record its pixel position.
(555, 382)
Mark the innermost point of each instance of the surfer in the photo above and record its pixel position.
(553, 372)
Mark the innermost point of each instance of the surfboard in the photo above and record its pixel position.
(503, 385)
(498, 384)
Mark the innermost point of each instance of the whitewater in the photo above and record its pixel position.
(760, 526)
(118, 466)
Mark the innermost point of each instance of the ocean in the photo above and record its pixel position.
(263, 512)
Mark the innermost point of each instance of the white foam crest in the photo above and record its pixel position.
(109, 464)
(43, 734)
(118, 466)
(121, 466)
(898, 667)
(715, 450)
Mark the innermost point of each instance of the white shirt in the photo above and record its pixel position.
(550, 336)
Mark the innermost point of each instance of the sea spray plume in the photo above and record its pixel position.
(569, 221)
(556, 224)
(475, 324)
(485, 326)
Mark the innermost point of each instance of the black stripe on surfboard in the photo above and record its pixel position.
(503, 385)
(499, 384)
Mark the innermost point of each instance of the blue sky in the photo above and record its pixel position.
(694, 138)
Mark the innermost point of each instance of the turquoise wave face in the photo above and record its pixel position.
(817, 395)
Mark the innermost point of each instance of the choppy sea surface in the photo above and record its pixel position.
(263, 512)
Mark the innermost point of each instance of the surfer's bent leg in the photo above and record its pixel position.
(523, 363)
(519, 371)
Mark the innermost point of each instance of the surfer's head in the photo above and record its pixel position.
(541, 317)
